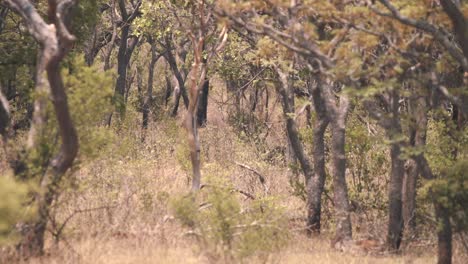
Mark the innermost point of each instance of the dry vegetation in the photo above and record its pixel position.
(118, 210)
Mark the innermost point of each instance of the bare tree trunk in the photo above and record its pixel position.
(316, 185)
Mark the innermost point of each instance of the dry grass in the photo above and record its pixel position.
(119, 213)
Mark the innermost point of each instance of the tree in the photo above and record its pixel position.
(55, 41)
(126, 47)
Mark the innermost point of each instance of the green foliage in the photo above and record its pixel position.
(13, 197)
(228, 230)
(85, 16)
(89, 93)
(452, 192)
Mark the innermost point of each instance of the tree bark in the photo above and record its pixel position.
(316, 185)
(126, 48)
(337, 115)
(395, 217)
(418, 127)
(149, 93)
(202, 112)
(395, 206)
(4, 115)
(180, 77)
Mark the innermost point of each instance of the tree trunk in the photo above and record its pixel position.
(202, 111)
(126, 47)
(149, 92)
(395, 207)
(409, 196)
(168, 91)
(395, 218)
(316, 185)
(337, 115)
(198, 69)
(418, 107)
(180, 80)
(444, 235)
(444, 228)
(55, 45)
(313, 182)
(4, 115)
(121, 69)
(342, 211)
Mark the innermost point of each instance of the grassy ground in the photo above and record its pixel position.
(117, 210)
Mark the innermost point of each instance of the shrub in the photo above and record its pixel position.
(226, 229)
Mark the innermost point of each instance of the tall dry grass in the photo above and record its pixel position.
(116, 209)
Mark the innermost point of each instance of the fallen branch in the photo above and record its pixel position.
(261, 178)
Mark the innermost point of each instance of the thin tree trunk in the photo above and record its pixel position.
(316, 185)
(149, 93)
(108, 51)
(198, 69)
(168, 91)
(180, 80)
(4, 115)
(121, 69)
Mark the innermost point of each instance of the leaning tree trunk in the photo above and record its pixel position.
(55, 42)
(316, 185)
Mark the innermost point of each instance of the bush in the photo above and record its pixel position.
(13, 196)
(227, 230)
